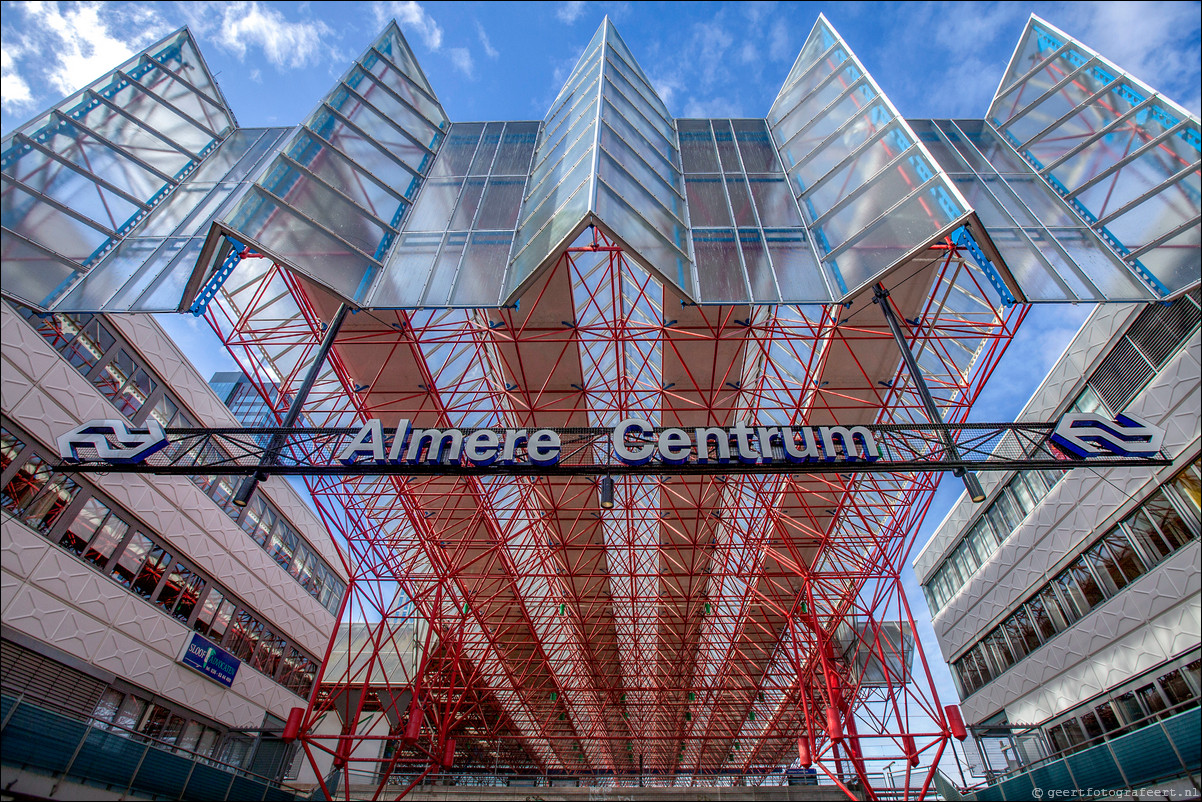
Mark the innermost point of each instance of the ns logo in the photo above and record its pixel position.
(113, 441)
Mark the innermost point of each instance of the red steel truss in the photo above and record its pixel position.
(702, 627)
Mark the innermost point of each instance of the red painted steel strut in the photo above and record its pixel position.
(705, 624)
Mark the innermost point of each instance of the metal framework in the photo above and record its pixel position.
(706, 624)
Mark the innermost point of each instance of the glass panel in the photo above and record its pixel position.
(154, 721)
(1060, 615)
(1147, 536)
(190, 737)
(130, 712)
(106, 707)
(152, 571)
(1172, 528)
(1124, 558)
(48, 506)
(797, 271)
(516, 149)
(1041, 620)
(172, 730)
(81, 530)
(719, 272)
(697, 146)
(774, 202)
(482, 270)
(1106, 717)
(469, 202)
(1151, 699)
(1078, 585)
(1189, 486)
(755, 146)
(502, 200)
(214, 616)
(1129, 708)
(244, 636)
(728, 153)
(132, 556)
(707, 202)
(267, 657)
(759, 270)
(740, 201)
(1175, 687)
(180, 591)
(445, 270)
(408, 271)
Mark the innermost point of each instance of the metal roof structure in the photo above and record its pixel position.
(605, 262)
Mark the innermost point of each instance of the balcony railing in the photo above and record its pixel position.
(76, 749)
(1161, 750)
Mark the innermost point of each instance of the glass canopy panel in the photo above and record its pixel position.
(332, 204)
(476, 183)
(1057, 256)
(870, 193)
(739, 183)
(1107, 144)
(170, 238)
(609, 150)
(80, 178)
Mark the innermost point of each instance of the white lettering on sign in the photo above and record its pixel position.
(481, 448)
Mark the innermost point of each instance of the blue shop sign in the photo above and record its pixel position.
(214, 662)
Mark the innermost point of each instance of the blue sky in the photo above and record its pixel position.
(490, 61)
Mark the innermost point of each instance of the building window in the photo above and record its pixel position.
(1153, 338)
(1148, 535)
(105, 537)
(215, 616)
(101, 357)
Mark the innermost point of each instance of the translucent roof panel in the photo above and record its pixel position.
(332, 203)
(639, 192)
(748, 238)
(80, 178)
(456, 242)
(870, 193)
(558, 193)
(148, 271)
(1123, 157)
(607, 155)
(1049, 251)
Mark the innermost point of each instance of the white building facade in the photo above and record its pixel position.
(108, 578)
(1068, 605)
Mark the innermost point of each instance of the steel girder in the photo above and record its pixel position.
(704, 624)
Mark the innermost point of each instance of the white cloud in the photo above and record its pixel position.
(16, 90)
(780, 48)
(489, 50)
(284, 43)
(570, 11)
(81, 37)
(412, 18)
(1155, 42)
(461, 59)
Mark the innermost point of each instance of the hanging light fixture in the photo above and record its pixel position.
(973, 485)
(607, 492)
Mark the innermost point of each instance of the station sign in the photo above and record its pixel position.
(632, 443)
